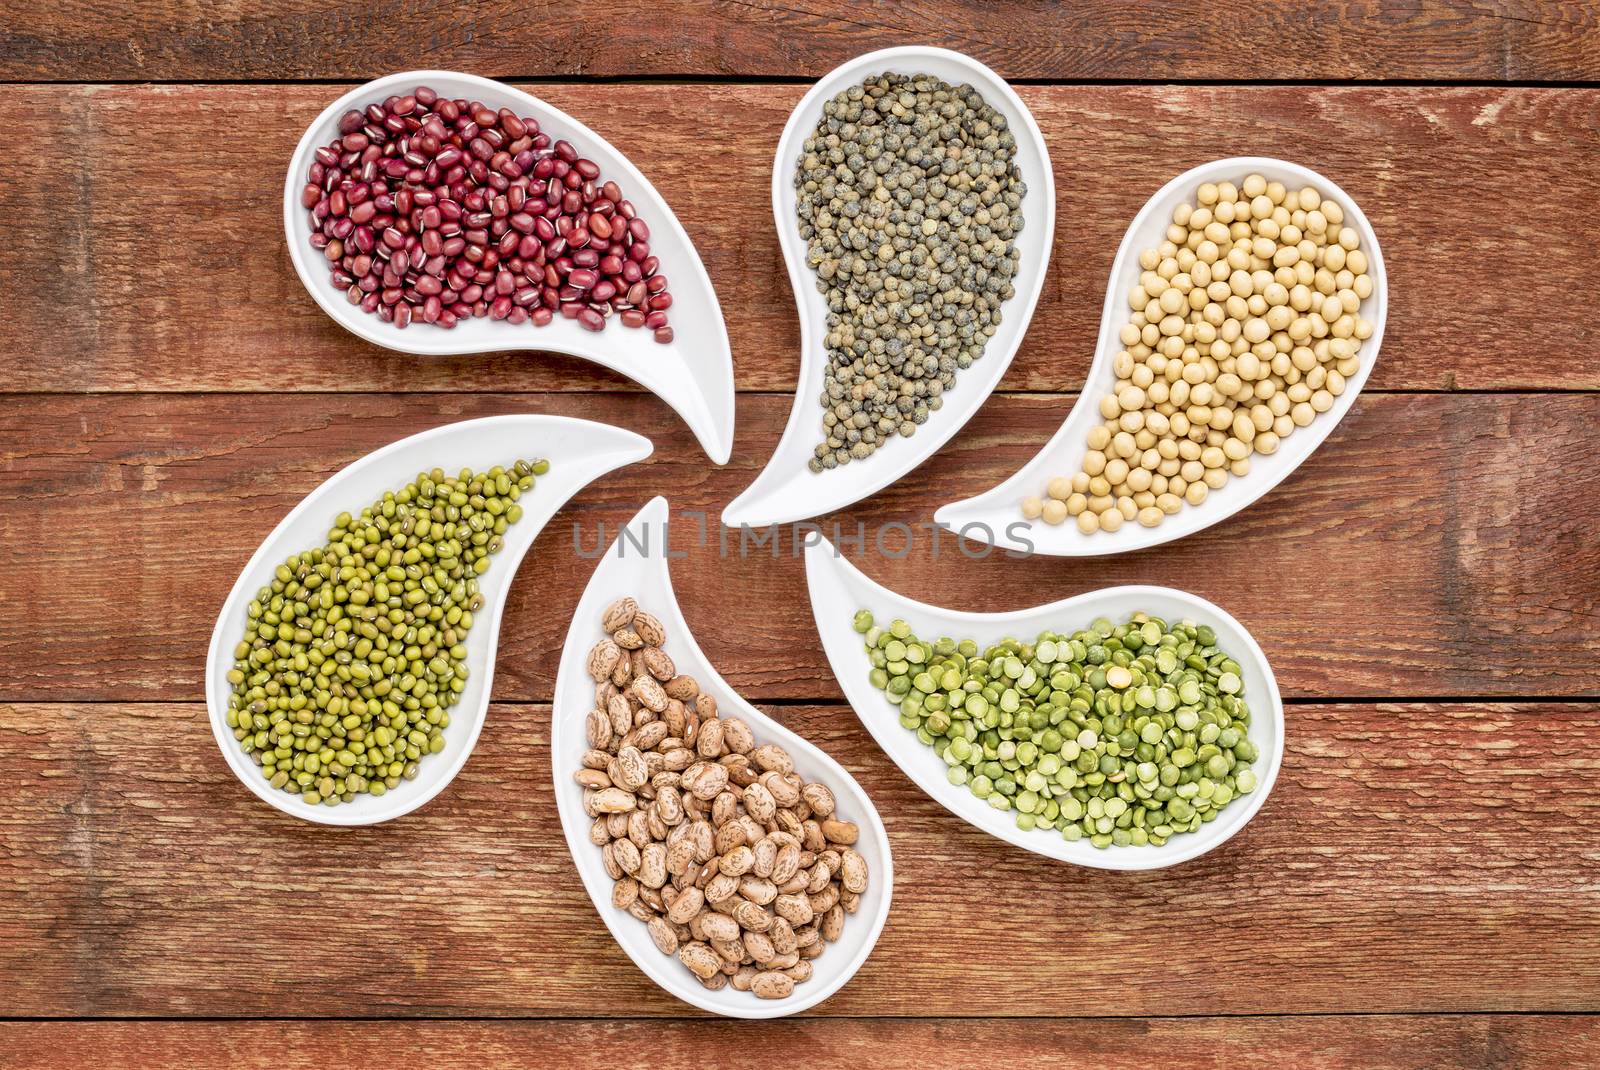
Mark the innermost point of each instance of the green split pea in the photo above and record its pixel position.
(355, 652)
(1124, 735)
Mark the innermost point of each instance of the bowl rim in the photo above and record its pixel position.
(1003, 500)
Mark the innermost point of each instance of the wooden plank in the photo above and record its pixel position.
(174, 262)
(1438, 545)
(1446, 40)
(1447, 849)
(1360, 1042)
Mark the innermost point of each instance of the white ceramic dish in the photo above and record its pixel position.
(693, 374)
(786, 490)
(839, 589)
(579, 452)
(986, 517)
(643, 574)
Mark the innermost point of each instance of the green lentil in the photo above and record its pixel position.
(1125, 734)
(910, 200)
(353, 655)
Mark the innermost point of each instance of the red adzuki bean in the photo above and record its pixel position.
(435, 210)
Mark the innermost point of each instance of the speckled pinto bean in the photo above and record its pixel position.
(433, 210)
(713, 839)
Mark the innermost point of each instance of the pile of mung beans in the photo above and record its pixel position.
(1124, 735)
(909, 198)
(355, 652)
(437, 210)
(1245, 326)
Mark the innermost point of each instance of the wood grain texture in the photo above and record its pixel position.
(1426, 586)
(161, 266)
(1358, 1042)
(1502, 40)
(1437, 545)
(1411, 858)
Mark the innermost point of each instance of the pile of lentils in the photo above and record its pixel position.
(435, 210)
(354, 654)
(909, 199)
(1123, 735)
(1245, 326)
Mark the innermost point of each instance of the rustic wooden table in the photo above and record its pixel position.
(1423, 887)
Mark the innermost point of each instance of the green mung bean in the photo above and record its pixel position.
(1126, 734)
(355, 652)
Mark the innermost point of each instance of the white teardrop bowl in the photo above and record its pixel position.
(838, 589)
(986, 517)
(579, 452)
(786, 490)
(642, 573)
(693, 374)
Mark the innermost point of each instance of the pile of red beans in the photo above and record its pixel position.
(435, 210)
